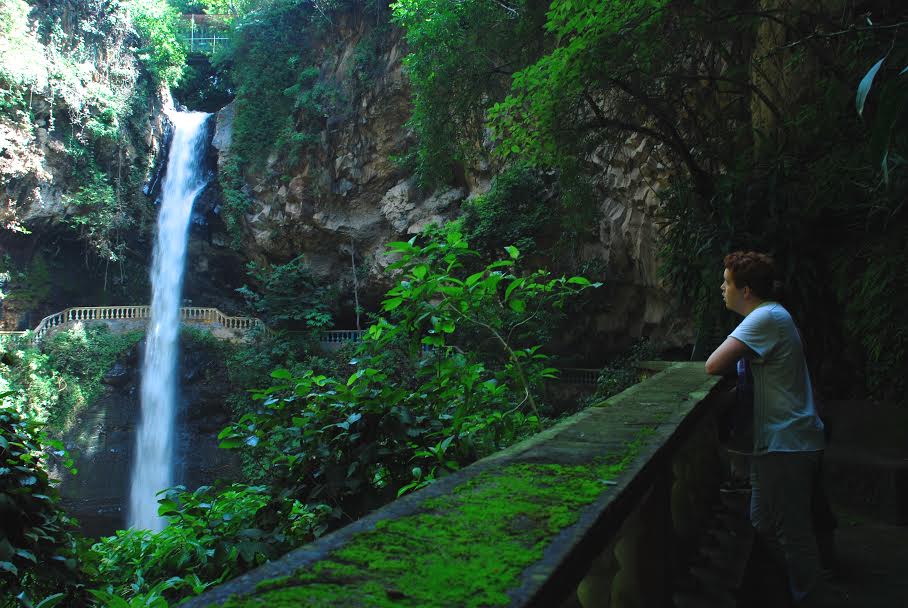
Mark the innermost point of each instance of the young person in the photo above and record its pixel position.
(788, 433)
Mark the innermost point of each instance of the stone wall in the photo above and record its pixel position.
(601, 511)
(348, 195)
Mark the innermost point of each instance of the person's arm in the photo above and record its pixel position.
(724, 358)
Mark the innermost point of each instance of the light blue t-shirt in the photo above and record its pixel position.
(785, 418)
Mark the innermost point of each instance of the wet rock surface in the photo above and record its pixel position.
(102, 439)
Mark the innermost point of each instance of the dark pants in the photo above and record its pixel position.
(782, 511)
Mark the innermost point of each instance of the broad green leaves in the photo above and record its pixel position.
(213, 534)
(446, 374)
(35, 542)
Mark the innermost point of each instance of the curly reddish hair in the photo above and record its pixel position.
(752, 269)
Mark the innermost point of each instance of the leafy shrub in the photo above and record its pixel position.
(37, 548)
(622, 372)
(514, 210)
(97, 215)
(287, 294)
(162, 52)
(267, 50)
(203, 87)
(213, 534)
(21, 55)
(425, 398)
(460, 61)
(237, 201)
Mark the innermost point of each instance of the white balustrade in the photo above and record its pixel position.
(192, 314)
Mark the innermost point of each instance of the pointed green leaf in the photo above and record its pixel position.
(513, 252)
(579, 281)
(420, 271)
(864, 86)
(51, 600)
(473, 278)
(391, 303)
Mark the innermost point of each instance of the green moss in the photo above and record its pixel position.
(467, 548)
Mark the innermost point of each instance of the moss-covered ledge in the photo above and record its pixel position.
(519, 528)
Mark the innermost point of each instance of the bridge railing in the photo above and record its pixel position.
(203, 33)
(335, 336)
(191, 314)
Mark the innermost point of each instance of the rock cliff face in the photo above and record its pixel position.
(102, 439)
(350, 195)
(80, 126)
(37, 170)
(348, 192)
(345, 197)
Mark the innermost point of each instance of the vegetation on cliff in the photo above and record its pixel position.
(79, 82)
(455, 351)
(751, 104)
(776, 135)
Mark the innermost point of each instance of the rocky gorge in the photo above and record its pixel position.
(337, 205)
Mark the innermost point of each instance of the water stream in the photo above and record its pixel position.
(153, 458)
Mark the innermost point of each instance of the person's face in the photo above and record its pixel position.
(732, 295)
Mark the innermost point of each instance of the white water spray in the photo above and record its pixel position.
(153, 468)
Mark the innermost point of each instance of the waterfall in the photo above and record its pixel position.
(152, 465)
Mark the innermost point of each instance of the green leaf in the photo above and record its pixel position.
(473, 278)
(281, 374)
(513, 252)
(518, 306)
(230, 444)
(9, 567)
(420, 271)
(391, 304)
(167, 507)
(579, 281)
(400, 246)
(26, 555)
(499, 264)
(51, 600)
(864, 86)
(514, 285)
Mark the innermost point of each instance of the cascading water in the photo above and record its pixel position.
(152, 468)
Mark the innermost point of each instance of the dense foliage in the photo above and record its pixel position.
(37, 546)
(55, 382)
(287, 294)
(279, 98)
(213, 534)
(452, 373)
(752, 111)
(76, 81)
(462, 55)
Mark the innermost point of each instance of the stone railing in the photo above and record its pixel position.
(112, 314)
(333, 339)
(606, 509)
